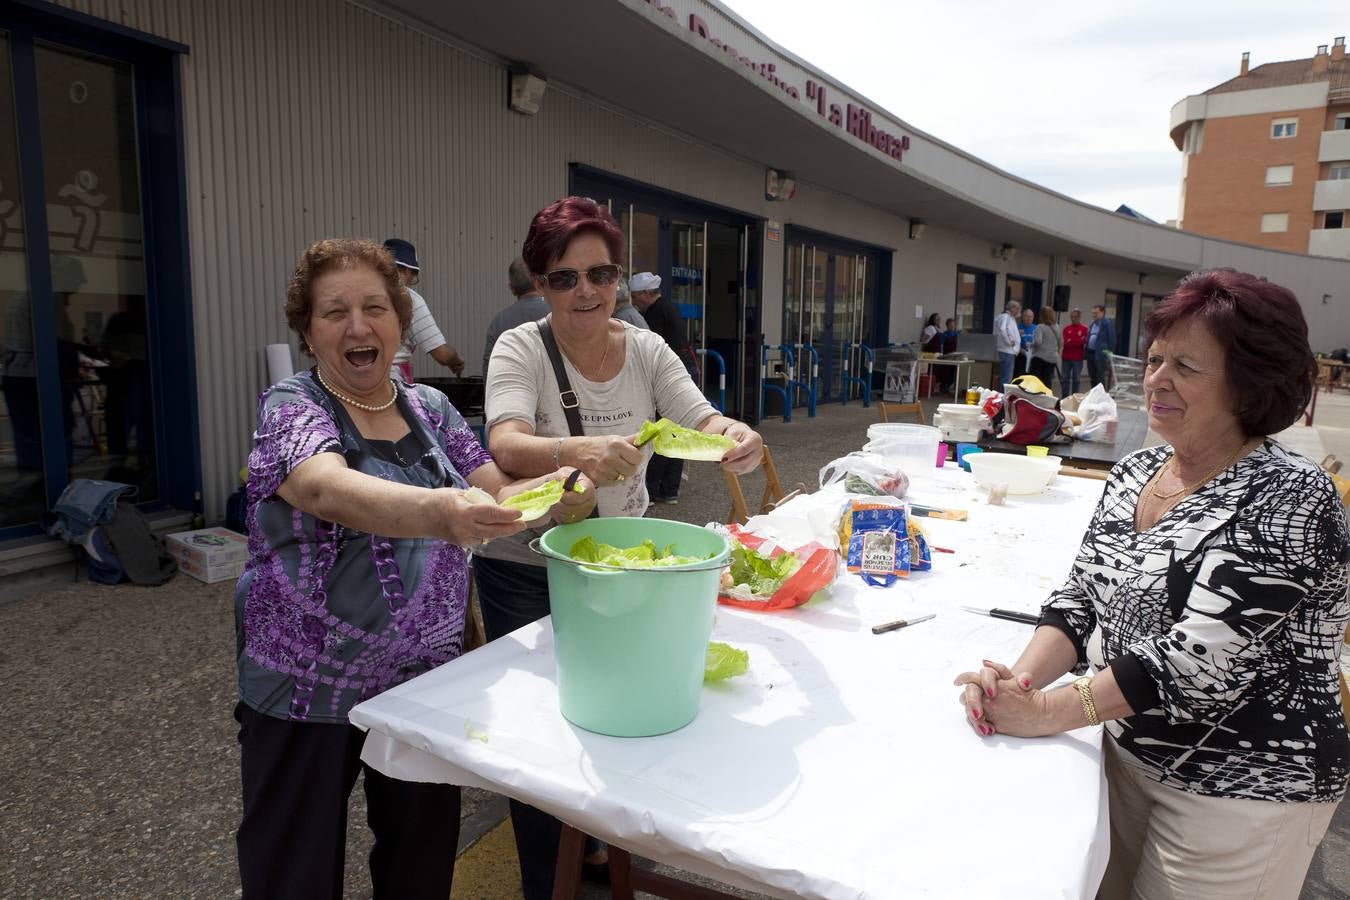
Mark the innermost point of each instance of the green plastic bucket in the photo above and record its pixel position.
(631, 644)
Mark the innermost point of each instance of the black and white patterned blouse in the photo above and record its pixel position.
(1222, 623)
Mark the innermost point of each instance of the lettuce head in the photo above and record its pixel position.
(761, 574)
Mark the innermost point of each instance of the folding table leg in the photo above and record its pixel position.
(567, 874)
(620, 874)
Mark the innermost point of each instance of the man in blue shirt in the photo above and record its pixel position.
(1101, 340)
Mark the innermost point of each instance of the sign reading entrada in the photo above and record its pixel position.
(853, 118)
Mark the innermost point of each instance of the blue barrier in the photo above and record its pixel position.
(721, 377)
(813, 385)
(765, 386)
(865, 383)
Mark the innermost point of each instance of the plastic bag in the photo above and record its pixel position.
(818, 568)
(865, 473)
(1097, 417)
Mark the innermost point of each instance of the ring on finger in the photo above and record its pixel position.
(618, 477)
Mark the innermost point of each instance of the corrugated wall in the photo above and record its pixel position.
(314, 118)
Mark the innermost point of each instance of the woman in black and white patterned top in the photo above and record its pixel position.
(1209, 598)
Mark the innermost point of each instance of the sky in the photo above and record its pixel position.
(1074, 96)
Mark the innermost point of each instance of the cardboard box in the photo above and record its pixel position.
(209, 554)
(211, 574)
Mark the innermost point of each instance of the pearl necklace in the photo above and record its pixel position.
(1167, 466)
(357, 403)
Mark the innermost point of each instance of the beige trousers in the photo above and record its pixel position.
(1166, 843)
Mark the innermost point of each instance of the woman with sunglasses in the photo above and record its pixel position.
(619, 376)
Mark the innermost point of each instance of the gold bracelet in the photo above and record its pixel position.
(1083, 685)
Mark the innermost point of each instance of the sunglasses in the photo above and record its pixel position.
(598, 276)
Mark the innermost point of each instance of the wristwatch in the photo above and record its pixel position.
(1083, 685)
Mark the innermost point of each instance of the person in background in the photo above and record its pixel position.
(663, 474)
(1007, 341)
(950, 337)
(1207, 606)
(1075, 343)
(530, 306)
(1045, 348)
(422, 333)
(359, 520)
(931, 336)
(1101, 340)
(624, 310)
(620, 376)
(1026, 333)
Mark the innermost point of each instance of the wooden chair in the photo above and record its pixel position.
(1094, 474)
(1331, 464)
(888, 410)
(773, 492)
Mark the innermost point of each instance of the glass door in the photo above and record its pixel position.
(87, 110)
(96, 332)
(688, 287)
(22, 483)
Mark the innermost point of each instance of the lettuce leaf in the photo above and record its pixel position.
(536, 502)
(678, 442)
(643, 556)
(762, 575)
(724, 661)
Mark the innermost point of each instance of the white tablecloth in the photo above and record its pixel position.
(840, 765)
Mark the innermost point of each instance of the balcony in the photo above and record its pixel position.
(1335, 145)
(1331, 195)
(1329, 242)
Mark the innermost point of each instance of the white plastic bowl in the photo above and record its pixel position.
(1022, 474)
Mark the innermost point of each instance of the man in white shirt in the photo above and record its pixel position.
(422, 332)
(1008, 341)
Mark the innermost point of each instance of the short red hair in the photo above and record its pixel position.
(1268, 362)
(554, 227)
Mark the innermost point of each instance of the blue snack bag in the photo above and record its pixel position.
(878, 542)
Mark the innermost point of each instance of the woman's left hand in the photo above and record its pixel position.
(574, 505)
(748, 452)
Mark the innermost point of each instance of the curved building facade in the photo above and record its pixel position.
(183, 154)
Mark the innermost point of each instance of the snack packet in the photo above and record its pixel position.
(876, 534)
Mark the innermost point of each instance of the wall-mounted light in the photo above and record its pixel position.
(1142, 277)
(1074, 266)
(524, 89)
(916, 229)
(1326, 298)
(1004, 251)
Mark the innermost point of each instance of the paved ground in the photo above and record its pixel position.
(121, 774)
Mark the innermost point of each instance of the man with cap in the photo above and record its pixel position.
(663, 474)
(530, 306)
(624, 310)
(422, 331)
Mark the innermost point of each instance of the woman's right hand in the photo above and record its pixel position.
(467, 523)
(607, 460)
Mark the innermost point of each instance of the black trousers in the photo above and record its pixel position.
(663, 477)
(511, 596)
(292, 841)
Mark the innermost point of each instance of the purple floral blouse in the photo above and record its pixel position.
(327, 616)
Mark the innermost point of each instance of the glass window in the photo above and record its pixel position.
(1279, 175)
(1284, 128)
(1339, 171)
(974, 301)
(1342, 121)
(1334, 219)
(1274, 222)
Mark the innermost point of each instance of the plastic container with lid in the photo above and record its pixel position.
(912, 447)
